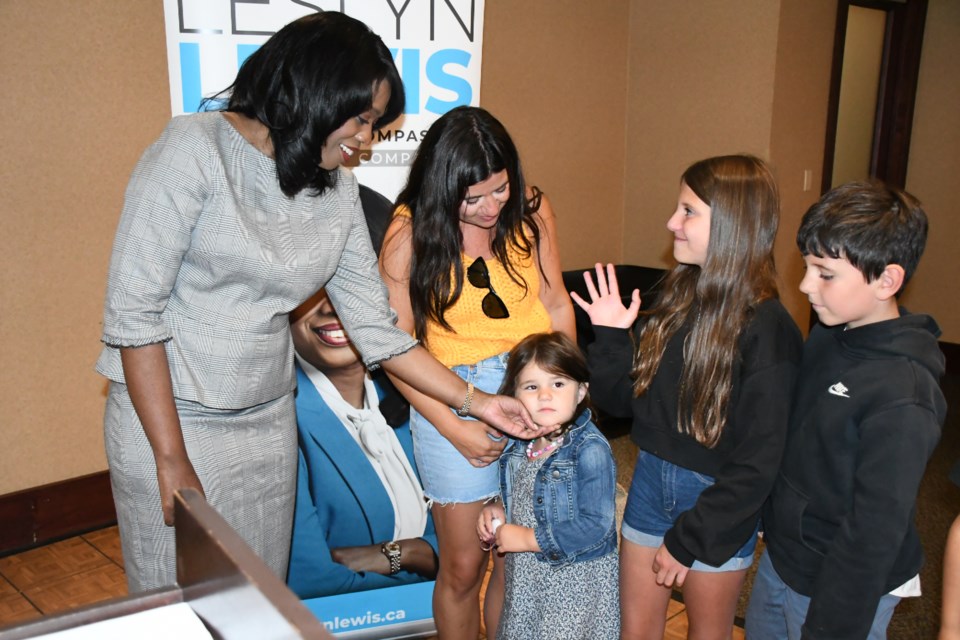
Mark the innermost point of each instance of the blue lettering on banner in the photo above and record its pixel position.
(244, 51)
(190, 76)
(410, 75)
(438, 76)
(438, 72)
(410, 604)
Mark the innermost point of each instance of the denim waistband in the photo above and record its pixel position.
(498, 361)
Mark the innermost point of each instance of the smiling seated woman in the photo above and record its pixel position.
(361, 521)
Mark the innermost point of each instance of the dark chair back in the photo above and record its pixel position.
(378, 210)
(629, 277)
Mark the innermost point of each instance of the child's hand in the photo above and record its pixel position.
(491, 518)
(669, 571)
(605, 307)
(512, 538)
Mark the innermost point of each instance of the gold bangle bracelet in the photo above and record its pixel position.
(464, 409)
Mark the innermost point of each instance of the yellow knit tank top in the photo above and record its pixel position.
(477, 337)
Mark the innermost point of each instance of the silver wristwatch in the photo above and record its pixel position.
(392, 551)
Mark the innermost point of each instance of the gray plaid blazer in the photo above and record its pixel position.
(210, 257)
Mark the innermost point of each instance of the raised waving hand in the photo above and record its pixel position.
(605, 307)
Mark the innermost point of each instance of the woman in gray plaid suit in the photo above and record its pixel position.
(231, 219)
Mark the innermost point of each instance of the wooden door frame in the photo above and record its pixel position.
(900, 69)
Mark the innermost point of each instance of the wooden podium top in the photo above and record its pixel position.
(226, 585)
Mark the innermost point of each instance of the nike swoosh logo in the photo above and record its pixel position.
(838, 390)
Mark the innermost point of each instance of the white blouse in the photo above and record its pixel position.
(380, 445)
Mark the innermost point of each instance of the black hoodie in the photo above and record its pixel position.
(866, 417)
(744, 463)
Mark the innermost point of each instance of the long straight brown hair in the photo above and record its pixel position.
(719, 298)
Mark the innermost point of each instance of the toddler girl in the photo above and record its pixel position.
(557, 506)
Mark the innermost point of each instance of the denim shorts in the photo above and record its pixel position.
(659, 493)
(446, 475)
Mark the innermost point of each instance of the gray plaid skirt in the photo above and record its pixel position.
(246, 460)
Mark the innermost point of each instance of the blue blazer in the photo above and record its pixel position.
(340, 503)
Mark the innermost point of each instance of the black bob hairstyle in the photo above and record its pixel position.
(304, 83)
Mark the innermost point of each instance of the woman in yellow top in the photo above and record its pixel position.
(471, 263)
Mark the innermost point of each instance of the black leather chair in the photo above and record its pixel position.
(378, 210)
(629, 277)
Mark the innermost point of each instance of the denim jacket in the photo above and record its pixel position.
(574, 495)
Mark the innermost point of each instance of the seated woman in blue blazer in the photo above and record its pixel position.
(360, 521)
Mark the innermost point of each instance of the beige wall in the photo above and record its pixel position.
(710, 78)
(935, 166)
(608, 101)
(554, 73)
(699, 86)
(801, 93)
(84, 91)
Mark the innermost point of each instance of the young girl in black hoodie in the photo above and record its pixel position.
(709, 388)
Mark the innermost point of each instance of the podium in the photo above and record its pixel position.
(226, 586)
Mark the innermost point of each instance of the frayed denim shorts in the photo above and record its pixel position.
(659, 492)
(447, 476)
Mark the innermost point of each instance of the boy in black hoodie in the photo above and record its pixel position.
(842, 548)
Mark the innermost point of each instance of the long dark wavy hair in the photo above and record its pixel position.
(304, 83)
(718, 299)
(464, 147)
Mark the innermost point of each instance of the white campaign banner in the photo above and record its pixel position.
(436, 44)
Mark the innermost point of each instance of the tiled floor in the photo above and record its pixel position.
(89, 568)
(60, 576)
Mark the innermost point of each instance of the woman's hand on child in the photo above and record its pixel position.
(606, 307)
(475, 442)
(491, 518)
(505, 414)
(669, 570)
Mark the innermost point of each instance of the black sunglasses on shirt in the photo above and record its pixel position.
(492, 305)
